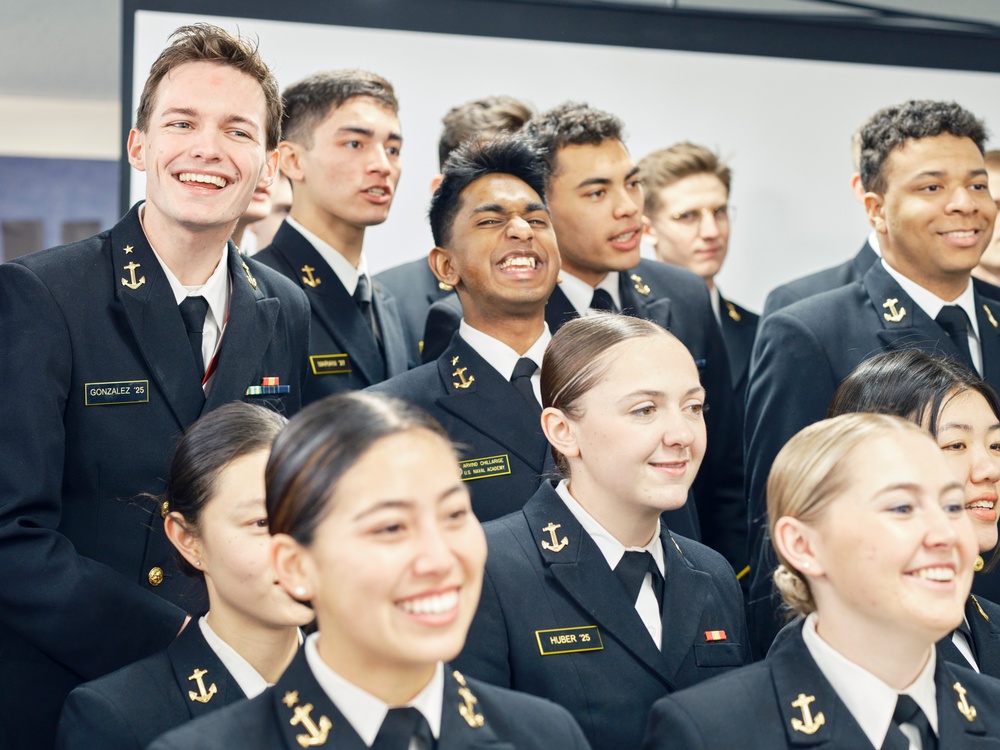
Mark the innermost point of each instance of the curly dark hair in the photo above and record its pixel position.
(572, 123)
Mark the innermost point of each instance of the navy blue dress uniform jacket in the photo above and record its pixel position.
(739, 328)
(415, 288)
(99, 381)
(128, 709)
(557, 622)
(343, 353)
(503, 448)
(802, 354)
(821, 281)
(983, 617)
(752, 708)
(297, 713)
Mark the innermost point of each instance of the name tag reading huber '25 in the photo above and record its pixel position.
(116, 392)
(569, 640)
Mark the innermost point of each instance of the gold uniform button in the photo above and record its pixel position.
(155, 576)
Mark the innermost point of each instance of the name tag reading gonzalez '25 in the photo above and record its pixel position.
(116, 392)
(569, 640)
(487, 466)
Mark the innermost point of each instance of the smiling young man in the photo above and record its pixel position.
(340, 149)
(596, 199)
(928, 201)
(111, 348)
(495, 245)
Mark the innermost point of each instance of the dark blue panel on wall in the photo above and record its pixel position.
(58, 192)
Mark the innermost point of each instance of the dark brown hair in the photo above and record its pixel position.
(481, 119)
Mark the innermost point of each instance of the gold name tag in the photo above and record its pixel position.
(488, 466)
(330, 364)
(569, 640)
(116, 392)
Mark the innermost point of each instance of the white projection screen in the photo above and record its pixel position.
(783, 124)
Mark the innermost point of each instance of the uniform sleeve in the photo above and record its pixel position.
(486, 653)
(671, 728)
(89, 720)
(791, 384)
(79, 612)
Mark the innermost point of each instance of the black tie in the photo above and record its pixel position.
(521, 380)
(632, 569)
(363, 299)
(955, 323)
(193, 311)
(908, 712)
(602, 301)
(400, 726)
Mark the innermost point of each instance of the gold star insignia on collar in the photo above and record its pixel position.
(291, 698)
(129, 249)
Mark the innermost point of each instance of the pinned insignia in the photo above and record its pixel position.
(316, 733)
(202, 696)
(553, 544)
(894, 315)
(460, 374)
(454, 361)
(468, 708)
(250, 278)
(715, 635)
(268, 387)
(989, 314)
(445, 287)
(733, 312)
(969, 712)
(129, 249)
(308, 278)
(291, 698)
(976, 602)
(639, 286)
(808, 724)
(133, 283)
(569, 640)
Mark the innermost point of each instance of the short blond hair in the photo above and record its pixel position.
(805, 477)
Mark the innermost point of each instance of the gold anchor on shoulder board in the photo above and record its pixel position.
(316, 734)
(556, 544)
(894, 315)
(969, 712)
(134, 283)
(808, 724)
(202, 696)
(308, 278)
(460, 374)
(468, 708)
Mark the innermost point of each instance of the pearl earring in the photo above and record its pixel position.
(300, 591)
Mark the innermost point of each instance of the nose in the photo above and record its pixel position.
(626, 205)
(206, 145)
(942, 526)
(962, 201)
(519, 229)
(985, 466)
(709, 227)
(435, 555)
(380, 162)
(679, 430)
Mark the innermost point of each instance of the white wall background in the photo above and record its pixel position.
(784, 125)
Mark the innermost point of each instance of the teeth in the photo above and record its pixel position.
(962, 233)
(375, 191)
(987, 504)
(935, 574)
(431, 605)
(623, 237)
(519, 261)
(208, 179)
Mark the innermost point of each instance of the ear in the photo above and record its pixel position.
(560, 432)
(136, 142)
(857, 188)
(441, 264)
(270, 168)
(648, 233)
(183, 538)
(293, 566)
(797, 542)
(289, 160)
(875, 208)
(436, 182)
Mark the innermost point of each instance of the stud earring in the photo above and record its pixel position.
(979, 564)
(806, 565)
(300, 591)
(197, 563)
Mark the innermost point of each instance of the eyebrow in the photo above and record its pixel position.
(404, 504)
(939, 174)
(188, 112)
(368, 132)
(654, 394)
(965, 427)
(496, 208)
(606, 180)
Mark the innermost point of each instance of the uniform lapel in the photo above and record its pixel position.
(902, 324)
(985, 634)
(192, 659)
(151, 311)
(333, 307)
(391, 328)
(248, 333)
(559, 310)
(685, 595)
(583, 571)
(479, 396)
(465, 725)
(634, 294)
(954, 702)
(738, 335)
(988, 318)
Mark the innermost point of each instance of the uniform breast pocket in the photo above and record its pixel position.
(718, 655)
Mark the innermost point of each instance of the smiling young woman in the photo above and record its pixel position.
(372, 527)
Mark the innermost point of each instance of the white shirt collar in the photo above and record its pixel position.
(249, 679)
(716, 297)
(870, 701)
(502, 358)
(580, 293)
(363, 710)
(347, 273)
(873, 243)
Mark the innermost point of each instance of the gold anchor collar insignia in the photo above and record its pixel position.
(203, 695)
(250, 278)
(132, 282)
(809, 723)
(468, 707)
(308, 278)
(894, 315)
(969, 712)
(316, 733)
(463, 382)
(553, 544)
(989, 314)
(733, 312)
(639, 286)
